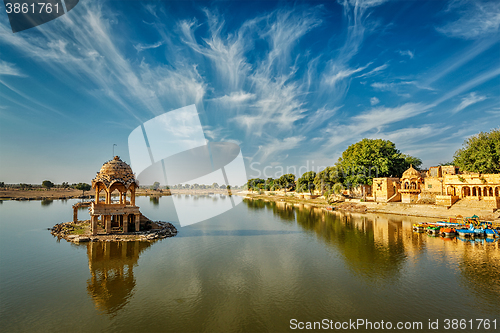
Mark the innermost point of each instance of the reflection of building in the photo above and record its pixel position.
(111, 268)
(442, 185)
(115, 177)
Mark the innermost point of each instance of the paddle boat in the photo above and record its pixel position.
(491, 233)
(447, 232)
(418, 227)
(433, 230)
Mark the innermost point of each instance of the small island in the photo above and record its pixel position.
(110, 220)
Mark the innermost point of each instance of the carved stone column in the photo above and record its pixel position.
(125, 223)
(107, 222)
(137, 222)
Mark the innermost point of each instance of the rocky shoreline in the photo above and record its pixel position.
(79, 232)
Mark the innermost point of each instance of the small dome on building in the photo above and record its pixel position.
(115, 171)
(411, 173)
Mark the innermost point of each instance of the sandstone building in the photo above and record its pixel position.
(441, 185)
(122, 215)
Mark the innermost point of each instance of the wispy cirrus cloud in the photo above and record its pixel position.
(476, 19)
(141, 47)
(374, 101)
(468, 100)
(7, 68)
(374, 71)
(407, 53)
(374, 119)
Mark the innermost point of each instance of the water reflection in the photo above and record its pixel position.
(154, 200)
(111, 267)
(378, 247)
(47, 202)
(479, 268)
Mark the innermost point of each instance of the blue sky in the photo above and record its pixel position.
(289, 82)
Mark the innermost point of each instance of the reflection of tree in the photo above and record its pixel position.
(154, 200)
(480, 273)
(355, 238)
(111, 268)
(283, 210)
(47, 202)
(255, 204)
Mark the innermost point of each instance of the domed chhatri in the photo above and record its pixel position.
(115, 170)
(115, 176)
(411, 183)
(411, 173)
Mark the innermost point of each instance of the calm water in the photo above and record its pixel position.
(254, 268)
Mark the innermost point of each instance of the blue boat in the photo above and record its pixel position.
(491, 233)
(471, 232)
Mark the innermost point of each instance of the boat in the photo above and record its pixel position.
(491, 233)
(447, 232)
(418, 227)
(433, 230)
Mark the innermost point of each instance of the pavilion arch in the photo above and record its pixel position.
(497, 190)
(466, 192)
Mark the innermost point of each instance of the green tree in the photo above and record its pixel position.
(411, 161)
(306, 182)
(2, 184)
(480, 153)
(326, 178)
(47, 184)
(155, 186)
(287, 182)
(83, 187)
(370, 158)
(253, 184)
(215, 185)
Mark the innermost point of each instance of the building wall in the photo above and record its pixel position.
(433, 185)
(384, 188)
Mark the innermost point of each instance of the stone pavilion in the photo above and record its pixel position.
(122, 215)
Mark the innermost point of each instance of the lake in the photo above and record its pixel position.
(254, 268)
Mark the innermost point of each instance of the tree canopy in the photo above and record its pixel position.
(306, 182)
(83, 187)
(370, 158)
(286, 182)
(47, 184)
(327, 178)
(480, 153)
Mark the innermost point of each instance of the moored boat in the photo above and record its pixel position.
(491, 233)
(447, 232)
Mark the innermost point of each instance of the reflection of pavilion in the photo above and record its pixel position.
(111, 268)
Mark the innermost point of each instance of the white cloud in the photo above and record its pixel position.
(374, 101)
(373, 71)
(141, 47)
(236, 97)
(375, 118)
(477, 19)
(479, 79)
(7, 68)
(468, 100)
(275, 146)
(406, 53)
(338, 74)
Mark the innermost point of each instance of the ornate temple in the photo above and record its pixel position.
(441, 185)
(115, 177)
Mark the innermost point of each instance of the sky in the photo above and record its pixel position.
(293, 84)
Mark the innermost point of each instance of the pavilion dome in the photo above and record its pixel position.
(115, 171)
(411, 173)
